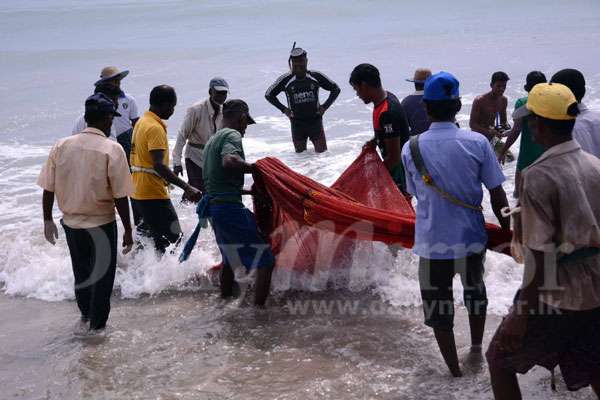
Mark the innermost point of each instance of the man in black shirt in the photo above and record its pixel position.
(389, 119)
(304, 110)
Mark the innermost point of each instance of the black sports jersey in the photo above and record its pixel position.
(302, 94)
(389, 121)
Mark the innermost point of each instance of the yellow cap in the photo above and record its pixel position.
(550, 100)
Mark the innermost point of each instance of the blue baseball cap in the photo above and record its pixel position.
(101, 104)
(441, 86)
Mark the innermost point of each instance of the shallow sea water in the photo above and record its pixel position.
(169, 335)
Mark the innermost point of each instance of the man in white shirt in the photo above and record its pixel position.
(201, 122)
(587, 125)
(122, 126)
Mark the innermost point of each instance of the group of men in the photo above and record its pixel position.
(557, 310)
(427, 154)
(90, 176)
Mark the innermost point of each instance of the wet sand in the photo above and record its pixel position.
(192, 345)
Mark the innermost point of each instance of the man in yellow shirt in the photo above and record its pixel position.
(153, 211)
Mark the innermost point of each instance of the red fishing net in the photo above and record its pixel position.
(312, 226)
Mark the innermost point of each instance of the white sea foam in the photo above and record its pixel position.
(42, 99)
(33, 268)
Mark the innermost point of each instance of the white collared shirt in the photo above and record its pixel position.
(128, 110)
(587, 130)
(197, 128)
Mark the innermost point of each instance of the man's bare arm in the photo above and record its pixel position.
(475, 118)
(169, 176)
(393, 153)
(50, 230)
(234, 162)
(122, 206)
(499, 201)
(164, 171)
(513, 135)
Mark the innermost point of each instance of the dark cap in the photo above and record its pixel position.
(533, 78)
(297, 52)
(238, 106)
(100, 104)
(219, 84)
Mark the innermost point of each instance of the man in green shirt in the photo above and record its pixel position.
(234, 225)
(528, 151)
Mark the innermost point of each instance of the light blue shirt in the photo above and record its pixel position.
(459, 161)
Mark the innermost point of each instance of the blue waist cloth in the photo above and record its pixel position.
(202, 210)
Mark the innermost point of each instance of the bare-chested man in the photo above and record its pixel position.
(488, 114)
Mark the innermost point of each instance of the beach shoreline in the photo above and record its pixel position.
(192, 345)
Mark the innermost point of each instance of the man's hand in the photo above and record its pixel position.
(321, 110)
(192, 194)
(178, 170)
(127, 241)
(493, 132)
(513, 330)
(50, 231)
(288, 113)
(502, 158)
(370, 144)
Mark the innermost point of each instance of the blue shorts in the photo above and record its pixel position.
(238, 238)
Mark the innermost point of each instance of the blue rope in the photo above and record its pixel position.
(202, 210)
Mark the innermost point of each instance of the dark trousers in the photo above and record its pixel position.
(124, 139)
(157, 219)
(194, 173)
(94, 259)
(302, 131)
(435, 281)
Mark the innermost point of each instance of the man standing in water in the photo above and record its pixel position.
(555, 319)
(445, 170)
(488, 113)
(127, 108)
(234, 225)
(201, 122)
(304, 109)
(153, 211)
(414, 108)
(74, 168)
(389, 120)
(529, 151)
(587, 126)
(110, 91)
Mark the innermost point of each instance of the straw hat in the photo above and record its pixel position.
(420, 76)
(111, 73)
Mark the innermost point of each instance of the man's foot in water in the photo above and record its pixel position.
(82, 326)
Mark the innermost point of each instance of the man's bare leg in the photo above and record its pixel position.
(447, 345)
(504, 384)
(477, 325)
(263, 285)
(227, 281)
(320, 143)
(596, 389)
(300, 146)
